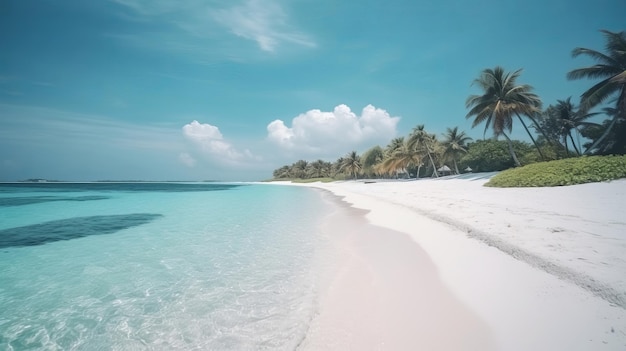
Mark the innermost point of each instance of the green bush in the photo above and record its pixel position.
(570, 171)
(492, 155)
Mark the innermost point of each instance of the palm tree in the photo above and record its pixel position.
(401, 158)
(569, 118)
(351, 163)
(393, 145)
(454, 145)
(606, 136)
(611, 68)
(502, 99)
(420, 140)
(371, 158)
(318, 169)
(298, 169)
(282, 172)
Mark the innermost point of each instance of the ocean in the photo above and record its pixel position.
(158, 266)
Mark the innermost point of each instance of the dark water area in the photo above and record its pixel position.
(71, 228)
(110, 186)
(29, 200)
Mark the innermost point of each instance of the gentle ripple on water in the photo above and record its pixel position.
(218, 270)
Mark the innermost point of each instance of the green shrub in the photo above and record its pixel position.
(492, 155)
(570, 171)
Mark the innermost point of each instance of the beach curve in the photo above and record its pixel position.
(541, 276)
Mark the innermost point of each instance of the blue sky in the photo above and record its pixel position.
(230, 90)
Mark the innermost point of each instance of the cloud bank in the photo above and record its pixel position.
(333, 133)
(212, 144)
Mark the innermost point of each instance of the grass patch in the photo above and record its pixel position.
(570, 171)
(313, 180)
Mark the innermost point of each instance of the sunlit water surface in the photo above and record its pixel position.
(157, 266)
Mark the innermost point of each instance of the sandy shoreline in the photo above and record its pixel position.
(369, 302)
(541, 268)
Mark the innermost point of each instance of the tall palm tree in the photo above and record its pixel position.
(502, 99)
(569, 118)
(454, 145)
(420, 140)
(400, 159)
(611, 68)
(351, 164)
(393, 145)
(608, 139)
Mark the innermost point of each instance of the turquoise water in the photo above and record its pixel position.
(103, 266)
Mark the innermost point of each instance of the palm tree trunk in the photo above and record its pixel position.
(606, 132)
(456, 169)
(573, 143)
(541, 130)
(511, 151)
(543, 158)
(432, 162)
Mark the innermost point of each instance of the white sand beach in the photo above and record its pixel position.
(448, 264)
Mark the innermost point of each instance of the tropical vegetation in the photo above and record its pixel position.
(568, 171)
(563, 136)
(503, 99)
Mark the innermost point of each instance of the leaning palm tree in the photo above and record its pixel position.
(420, 140)
(611, 68)
(336, 167)
(393, 145)
(609, 137)
(454, 145)
(351, 164)
(400, 159)
(502, 99)
(569, 118)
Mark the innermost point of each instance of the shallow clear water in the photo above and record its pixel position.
(157, 266)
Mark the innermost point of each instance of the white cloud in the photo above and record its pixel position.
(203, 29)
(262, 21)
(333, 133)
(211, 143)
(187, 159)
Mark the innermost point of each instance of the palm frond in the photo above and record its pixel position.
(598, 93)
(619, 78)
(596, 55)
(615, 44)
(593, 72)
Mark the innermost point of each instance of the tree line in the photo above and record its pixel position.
(555, 132)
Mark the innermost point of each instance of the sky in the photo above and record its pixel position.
(231, 90)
